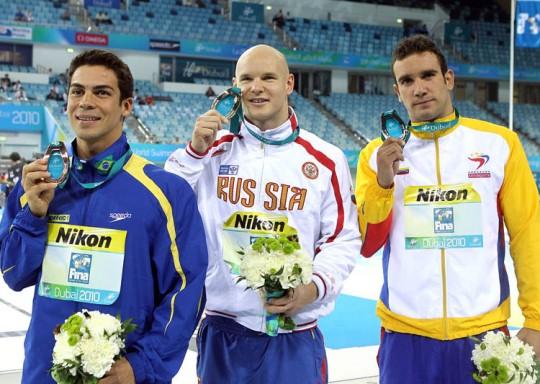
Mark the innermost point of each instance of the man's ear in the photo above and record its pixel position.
(396, 92)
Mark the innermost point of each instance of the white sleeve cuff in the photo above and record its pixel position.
(322, 285)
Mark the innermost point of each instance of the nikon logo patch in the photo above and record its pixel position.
(74, 236)
(438, 194)
(254, 223)
(81, 238)
(444, 194)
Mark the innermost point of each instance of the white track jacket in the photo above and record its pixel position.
(246, 188)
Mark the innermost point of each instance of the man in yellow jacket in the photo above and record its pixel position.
(438, 203)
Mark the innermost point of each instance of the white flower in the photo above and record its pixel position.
(516, 356)
(63, 351)
(96, 343)
(99, 324)
(98, 355)
(297, 268)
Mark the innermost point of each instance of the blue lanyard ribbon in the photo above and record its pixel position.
(116, 167)
(289, 139)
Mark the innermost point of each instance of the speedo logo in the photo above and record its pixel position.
(119, 216)
(438, 194)
(253, 222)
(75, 236)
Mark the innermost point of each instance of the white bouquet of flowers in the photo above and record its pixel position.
(500, 359)
(272, 266)
(87, 345)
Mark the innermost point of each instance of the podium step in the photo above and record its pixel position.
(11, 377)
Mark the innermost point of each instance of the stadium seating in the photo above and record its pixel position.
(173, 121)
(16, 68)
(362, 112)
(526, 120)
(319, 35)
(184, 23)
(489, 43)
(43, 13)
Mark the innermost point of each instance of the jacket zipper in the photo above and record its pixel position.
(443, 251)
(261, 173)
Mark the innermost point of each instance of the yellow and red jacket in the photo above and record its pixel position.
(480, 170)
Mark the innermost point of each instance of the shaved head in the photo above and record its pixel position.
(268, 53)
(263, 76)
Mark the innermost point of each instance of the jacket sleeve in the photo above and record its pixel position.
(518, 200)
(22, 243)
(179, 284)
(188, 163)
(374, 203)
(339, 242)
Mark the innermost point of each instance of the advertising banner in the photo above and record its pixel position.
(528, 23)
(21, 118)
(249, 12)
(21, 33)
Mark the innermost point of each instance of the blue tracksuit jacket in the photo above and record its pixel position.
(163, 271)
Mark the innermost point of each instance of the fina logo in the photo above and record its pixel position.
(79, 268)
(443, 220)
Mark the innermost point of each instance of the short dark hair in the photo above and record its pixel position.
(14, 156)
(417, 44)
(108, 60)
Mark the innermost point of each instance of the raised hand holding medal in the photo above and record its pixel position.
(393, 126)
(57, 162)
(394, 134)
(229, 105)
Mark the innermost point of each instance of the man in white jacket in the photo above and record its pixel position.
(268, 179)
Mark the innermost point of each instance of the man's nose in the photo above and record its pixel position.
(87, 100)
(419, 88)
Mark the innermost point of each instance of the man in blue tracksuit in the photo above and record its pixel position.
(120, 236)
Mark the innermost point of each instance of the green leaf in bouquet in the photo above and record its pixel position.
(276, 272)
(286, 323)
(502, 374)
(288, 249)
(62, 376)
(477, 377)
(490, 364)
(90, 380)
(72, 325)
(475, 339)
(73, 339)
(128, 326)
(272, 245)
